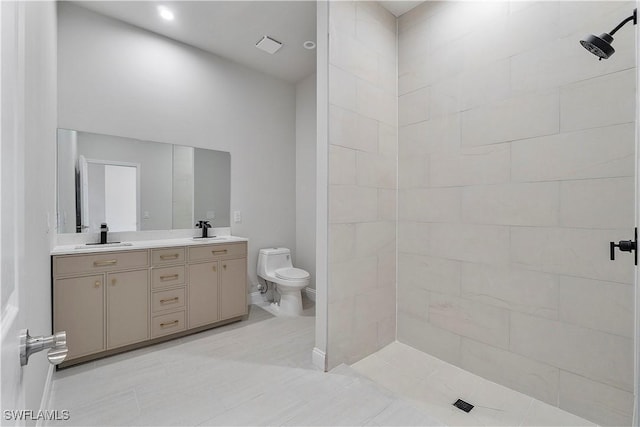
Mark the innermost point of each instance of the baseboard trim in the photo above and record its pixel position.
(311, 293)
(319, 359)
(46, 394)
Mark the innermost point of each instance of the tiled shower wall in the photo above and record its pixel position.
(362, 180)
(516, 165)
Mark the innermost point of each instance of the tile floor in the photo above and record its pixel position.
(256, 372)
(259, 372)
(433, 385)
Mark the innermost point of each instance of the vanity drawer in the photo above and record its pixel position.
(167, 256)
(166, 300)
(167, 276)
(204, 253)
(75, 264)
(168, 324)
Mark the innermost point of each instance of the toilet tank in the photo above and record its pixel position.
(271, 259)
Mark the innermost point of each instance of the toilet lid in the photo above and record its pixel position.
(291, 273)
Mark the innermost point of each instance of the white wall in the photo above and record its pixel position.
(117, 79)
(516, 169)
(39, 180)
(305, 254)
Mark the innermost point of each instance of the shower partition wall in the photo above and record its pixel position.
(513, 179)
(362, 171)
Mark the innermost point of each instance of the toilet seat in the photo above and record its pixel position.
(291, 273)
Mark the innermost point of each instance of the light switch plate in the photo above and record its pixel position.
(237, 217)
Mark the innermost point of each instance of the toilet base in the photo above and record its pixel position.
(290, 302)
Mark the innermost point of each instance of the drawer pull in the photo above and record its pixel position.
(168, 324)
(104, 263)
(223, 251)
(169, 277)
(168, 300)
(172, 256)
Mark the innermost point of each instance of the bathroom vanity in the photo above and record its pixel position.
(112, 299)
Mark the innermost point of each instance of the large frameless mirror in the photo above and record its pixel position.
(136, 185)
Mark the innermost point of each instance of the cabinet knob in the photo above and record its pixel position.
(224, 266)
(113, 282)
(214, 268)
(97, 284)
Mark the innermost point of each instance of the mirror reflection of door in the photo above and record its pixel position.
(110, 193)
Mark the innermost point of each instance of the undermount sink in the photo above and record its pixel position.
(104, 245)
(209, 239)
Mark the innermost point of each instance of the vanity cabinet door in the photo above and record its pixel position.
(233, 288)
(78, 309)
(127, 308)
(203, 293)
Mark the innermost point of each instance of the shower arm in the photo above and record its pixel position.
(630, 18)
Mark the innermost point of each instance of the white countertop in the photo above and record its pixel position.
(143, 244)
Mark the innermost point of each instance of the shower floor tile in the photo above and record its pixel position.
(433, 385)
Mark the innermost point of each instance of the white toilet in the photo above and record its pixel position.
(274, 265)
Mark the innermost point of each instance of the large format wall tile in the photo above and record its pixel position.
(354, 277)
(429, 204)
(519, 117)
(601, 356)
(470, 242)
(597, 203)
(594, 153)
(352, 130)
(429, 273)
(363, 177)
(470, 319)
(470, 166)
(516, 289)
(512, 204)
(608, 406)
(612, 103)
(577, 252)
(516, 166)
(352, 203)
(431, 339)
(536, 379)
(604, 306)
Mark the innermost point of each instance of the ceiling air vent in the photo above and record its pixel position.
(269, 45)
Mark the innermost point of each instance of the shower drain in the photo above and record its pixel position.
(462, 405)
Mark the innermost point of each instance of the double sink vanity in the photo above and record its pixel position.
(112, 298)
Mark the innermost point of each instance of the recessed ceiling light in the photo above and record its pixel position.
(165, 13)
(269, 45)
(310, 45)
